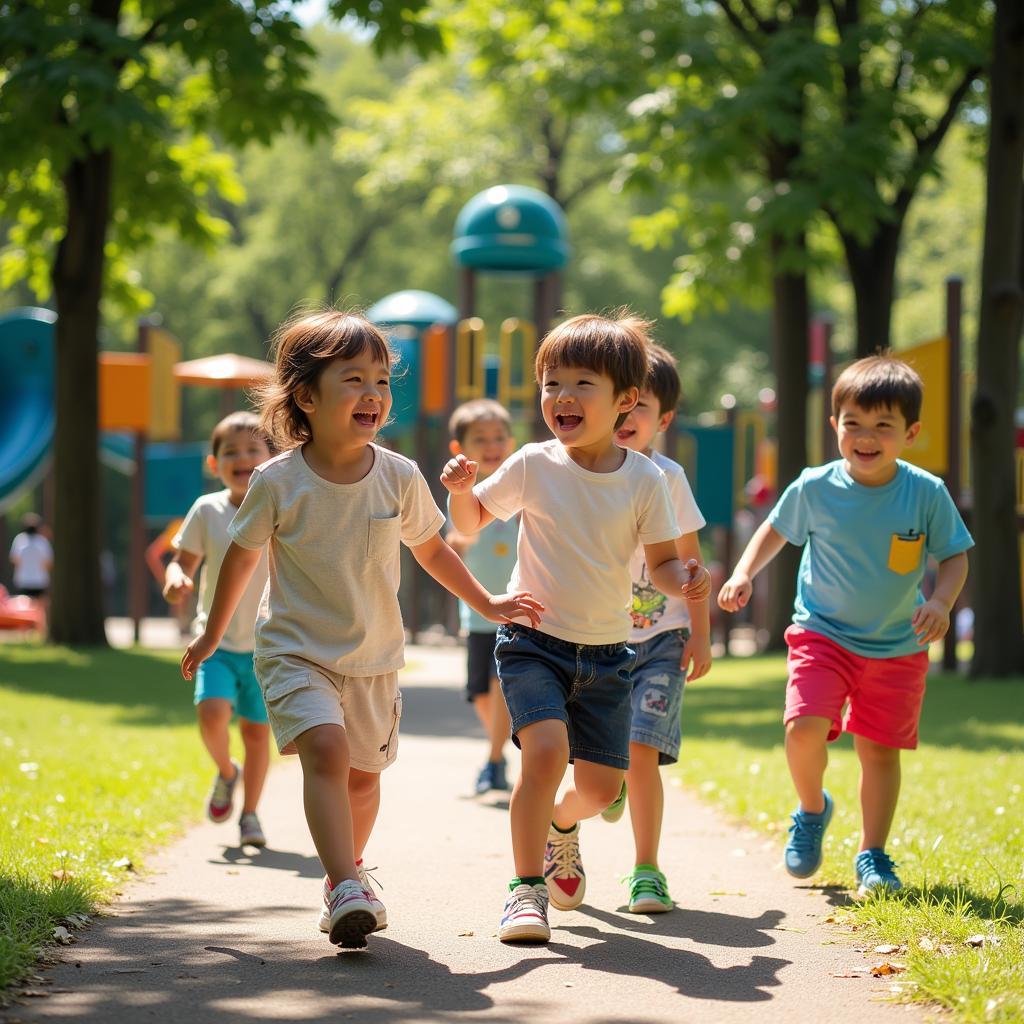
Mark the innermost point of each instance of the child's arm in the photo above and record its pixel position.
(697, 653)
(672, 576)
(179, 576)
(235, 572)
(447, 568)
(763, 547)
(931, 620)
(468, 515)
(460, 543)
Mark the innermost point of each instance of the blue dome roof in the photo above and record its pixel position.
(511, 227)
(415, 308)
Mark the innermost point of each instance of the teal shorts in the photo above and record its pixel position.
(229, 675)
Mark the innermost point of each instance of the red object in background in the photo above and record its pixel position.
(19, 612)
(759, 491)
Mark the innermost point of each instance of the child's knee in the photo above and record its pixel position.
(807, 731)
(253, 732)
(600, 789)
(214, 712)
(323, 750)
(363, 784)
(545, 752)
(876, 753)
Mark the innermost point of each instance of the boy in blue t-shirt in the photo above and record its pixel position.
(861, 627)
(481, 430)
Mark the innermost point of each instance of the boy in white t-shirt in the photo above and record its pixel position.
(32, 558)
(585, 505)
(671, 637)
(226, 683)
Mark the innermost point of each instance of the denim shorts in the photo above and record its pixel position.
(584, 685)
(229, 675)
(658, 683)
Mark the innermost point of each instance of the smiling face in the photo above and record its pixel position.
(644, 422)
(486, 442)
(871, 440)
(350, 402)
(580, 405)
(239, 452)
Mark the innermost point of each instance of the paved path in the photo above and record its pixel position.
(214, 934)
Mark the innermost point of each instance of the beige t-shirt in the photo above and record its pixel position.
(334, 559)
(205, 533)
(577, 534)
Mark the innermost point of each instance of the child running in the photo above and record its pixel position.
(333, 509)
(860, 634)
(225, 682)
(586, 504)
(671, 636)
(481, 430)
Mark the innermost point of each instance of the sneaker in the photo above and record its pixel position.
(563, 868)
(222, 796)
(250, 832)
(614, 810)
(378, 906)
(499, 779)
(525, 917)
(803, 851)
(485, 780)
(347, 913)
(648, 891)
(876, 873)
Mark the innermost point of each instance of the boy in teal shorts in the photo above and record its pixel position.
(226, 682)
(482, 431)
(862, 627)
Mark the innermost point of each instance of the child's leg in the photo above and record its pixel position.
(646, 801)
(324, 753)
(879, 790)
(545, 746)
(807, 755)
(498, 725)
(256, 740)
(214, 715)
(364, 799)
(593, 788)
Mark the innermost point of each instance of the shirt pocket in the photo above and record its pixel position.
(382, 538)
(905, 552)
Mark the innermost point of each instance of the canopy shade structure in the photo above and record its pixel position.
(224, 371)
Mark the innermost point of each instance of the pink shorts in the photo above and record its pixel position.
(883, 696)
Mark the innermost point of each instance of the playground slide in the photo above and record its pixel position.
(26, 398)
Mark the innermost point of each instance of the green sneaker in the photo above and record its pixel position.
(614, 810)
(648, 891)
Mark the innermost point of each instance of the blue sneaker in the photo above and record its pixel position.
(803, 851)
(876, 872)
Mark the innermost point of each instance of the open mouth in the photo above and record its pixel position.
(624, 435)
(366, 419)
(567, 421)
(867, 456)
(242, 474)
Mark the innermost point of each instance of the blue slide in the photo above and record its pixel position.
(27, 401)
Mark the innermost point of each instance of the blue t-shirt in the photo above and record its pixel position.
(491, 560)
(865, 555)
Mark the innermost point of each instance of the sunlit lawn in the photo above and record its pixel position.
(100, 760)
(958, 836)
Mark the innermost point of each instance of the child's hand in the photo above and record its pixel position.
(177, 584)
(735, 592)
(459, 475)
(930, 622)
(195, 654)
(516, 605)
(700, 582)
(696, 657)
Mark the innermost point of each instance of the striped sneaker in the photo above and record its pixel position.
(563, 868)
(349, 913)
(324, 924)
(525, 917)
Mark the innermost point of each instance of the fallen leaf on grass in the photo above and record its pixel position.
(62, 875)
(926, 944)
(889, 950)
(882, 969)
(982, 941)
(63, 936)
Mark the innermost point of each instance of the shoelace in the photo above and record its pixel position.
(366, 877)
(806, 834)
(645, 885)
(530, 900)
(565, 855)
(878, 864)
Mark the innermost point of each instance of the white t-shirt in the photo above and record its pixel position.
(334, 559)
(205, 533)
(34, 555)
(653, 612)
(577, 534)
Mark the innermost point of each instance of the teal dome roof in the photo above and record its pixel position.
(511, 227)
(415, 308)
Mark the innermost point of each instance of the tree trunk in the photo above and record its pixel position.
(76, 615)
(790, 328)
(998, 634)
(872, 270)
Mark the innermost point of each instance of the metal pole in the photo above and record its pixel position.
(137, 575)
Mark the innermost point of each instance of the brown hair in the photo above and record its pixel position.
(476, 411)
(663, 378)
(614, 347)
(880, 380)
(303, 346)
(247, 421)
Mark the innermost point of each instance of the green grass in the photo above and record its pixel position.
(100, 761)
(958, 836)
